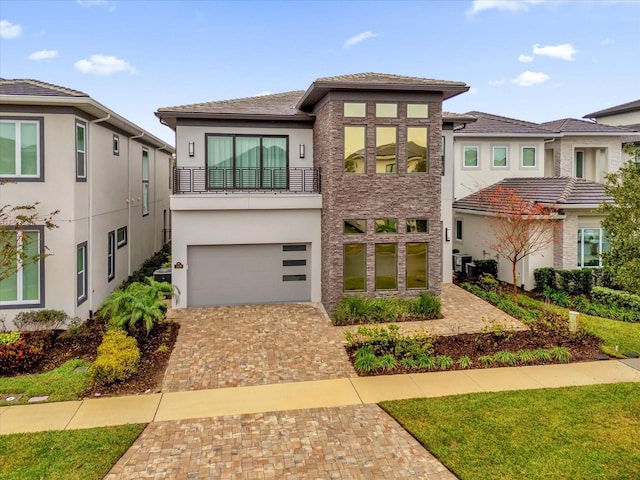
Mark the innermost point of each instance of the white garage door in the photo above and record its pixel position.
(246, 274)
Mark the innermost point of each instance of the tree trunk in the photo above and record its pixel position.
(515, 282)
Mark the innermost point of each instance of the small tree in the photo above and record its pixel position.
(520, 227)
(623, 222)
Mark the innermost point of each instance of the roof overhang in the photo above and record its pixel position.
(487, 213)
(170, 118)
(510, 135)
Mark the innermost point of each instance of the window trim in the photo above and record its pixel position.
(8, 305)
(493, 157)
(535, 157)
(80, 299)
(40, 148)
(123, 242)
(111, 255)
(83, 126)
(116, 145)
(145, 181)
(464, 160)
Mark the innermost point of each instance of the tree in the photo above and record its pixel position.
(623, 222)
(520, 227)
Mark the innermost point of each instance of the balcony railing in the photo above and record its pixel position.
(255, 180)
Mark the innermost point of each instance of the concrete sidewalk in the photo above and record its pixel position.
(305, 395)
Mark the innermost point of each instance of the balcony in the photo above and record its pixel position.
(195, 180)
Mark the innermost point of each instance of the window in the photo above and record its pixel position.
(417, 149)
(417, 110)
(21, 149)
(145, 182)
(24, 286)
(386, 266)
(417, 225)
(470, 157)
(386, 110)
(81, 272)
(459, 230)
(116, 144)
(442, 152)
(592, 243)
(417, 265)
(354, 263)
(294, 278)
(247, 162)
(354, 150)
(111, 255)
(580, 164)
(352, 227)
(355, 109)
(500, 155)
(294, 263)
(294, 248)
(122, 236)
(528, 156)
(386, 150)
(81, 152)
(387, 225)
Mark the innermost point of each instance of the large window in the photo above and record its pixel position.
(246, 162)
(500, 155)
(386, 149)
(23, 283)
(592, 243)
(579, 164)
(386, 266)
(145, 182)
(20, 148)
(354, 150)
(354, 267)
(417, 149)
(81, 272)
(81, 151)
(528, 156)
(417, 265)
(111, 255)
(471, 155)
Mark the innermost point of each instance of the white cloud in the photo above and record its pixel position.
(564, 51)
(495, 83)
(103, 65)
(506, 5)
(43, 55)
(607, 41)
(525, 58)
(527, 79)
(9, 30)
(350, 42)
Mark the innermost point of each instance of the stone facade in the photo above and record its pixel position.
(372, 196)
(565, 253)
(564, 154)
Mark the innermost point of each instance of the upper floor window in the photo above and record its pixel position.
(417, 225)
(417, 110)
(471, 157)
(386, 150)
(357, 227)
(442, 154)
(500, 155)
(246, 161)
(387, 225)
(354, 149)
(386, 110)
(528, 156)
(358, 110)
(23, 284)
(579, 171)
(145, 182)
(20, 148)
(417, 149)
(81, 151)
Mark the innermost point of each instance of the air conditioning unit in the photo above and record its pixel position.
(460, 260)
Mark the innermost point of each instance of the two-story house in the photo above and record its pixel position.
(108, 178)
(310, 195)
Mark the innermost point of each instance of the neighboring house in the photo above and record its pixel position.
(309, 195)
(624, 115)
(108, 178)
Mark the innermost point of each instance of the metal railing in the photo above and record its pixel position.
(252, 179)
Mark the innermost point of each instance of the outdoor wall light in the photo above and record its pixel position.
(447, 234)
(302, 150)
(192, 149)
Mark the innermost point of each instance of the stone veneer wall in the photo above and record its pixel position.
(565, 247)
(564, 152)
(373, 196)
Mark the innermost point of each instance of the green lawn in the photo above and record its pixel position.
(624, 334)
(65, 455)
(566, 433)
(61, 384)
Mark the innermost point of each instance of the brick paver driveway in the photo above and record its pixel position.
(254, 345)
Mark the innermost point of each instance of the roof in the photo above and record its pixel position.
(27, 86)
(488, 123)
(622, 108)
(457, 118)
(556, 192)
(573, 125)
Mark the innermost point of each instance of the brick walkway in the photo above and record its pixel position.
(337, 443)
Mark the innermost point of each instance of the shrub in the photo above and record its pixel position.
(604, 277)
(387, 339)
(427, 305)
(444, 362)
(542, 355)
(486, 267)
(41, 320)
(117, 360)
(506, 358)
(426, 361)
(575, 282)
(355, 309)
(486, 360)
(557, 297)
(525, 356)
(9, 338)
(545, 278)
(560, 354)
(22, 354)
(617, 298)
(503, 303)
(149, 266)
(488, 283)
(464, 362)
(386, 362)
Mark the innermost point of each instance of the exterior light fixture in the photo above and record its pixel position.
(302, 150)
(447, 234)
(192, 149)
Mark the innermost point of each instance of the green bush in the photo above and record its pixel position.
(117, 360)
(486, 267)
(557, 297)
(617, 298)
(488, 283)
(150, 265)
(22, 354)
(604, 277)
(545, 278)
(355, 309)
(9, 338)
(427, 305)
(575, 282)
(41, 320)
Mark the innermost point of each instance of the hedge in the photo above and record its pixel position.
(617, 298)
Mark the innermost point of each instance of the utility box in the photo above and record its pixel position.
(460, 260)
(162, 275)
(470, 270)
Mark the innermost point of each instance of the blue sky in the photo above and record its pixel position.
(531, 59)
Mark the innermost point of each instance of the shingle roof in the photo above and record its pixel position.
(582, 126)
(557, 192)
(458, 117)
(489, 123)
(622, 108)
(368, 78)
(36, 88)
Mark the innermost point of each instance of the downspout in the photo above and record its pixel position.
(90, 235)
(129, 200)
(155, 206)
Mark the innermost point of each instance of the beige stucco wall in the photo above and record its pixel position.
(446, 214)
(627, 118)
(603, 153)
